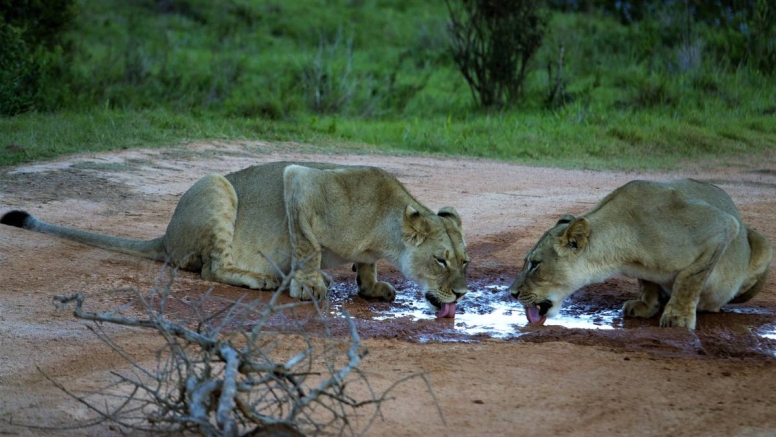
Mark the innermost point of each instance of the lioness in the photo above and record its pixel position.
(682, 239)
(241, 228)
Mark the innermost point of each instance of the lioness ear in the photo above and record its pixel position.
(414, 228)
(574, 238)
(568, 218)
(452, 214)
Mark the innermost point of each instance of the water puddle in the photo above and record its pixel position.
(767, 331)
(590, 317)
(487, 311)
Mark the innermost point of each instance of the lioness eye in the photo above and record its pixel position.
(532, 265)
(441, 261)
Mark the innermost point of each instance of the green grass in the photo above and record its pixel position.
(569, 139)
(33, 137)
(244, 70)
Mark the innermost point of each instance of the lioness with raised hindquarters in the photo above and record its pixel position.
(241, 228)
(682, 239)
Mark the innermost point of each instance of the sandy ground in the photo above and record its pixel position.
(632, 379)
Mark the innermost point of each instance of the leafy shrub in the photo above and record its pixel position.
(763, 36)
(328, 80)
(493, 43)
(651, 92)
(31, 36)
(19, 72)
(273, 95)
(42, 21)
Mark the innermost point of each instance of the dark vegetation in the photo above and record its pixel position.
(520, 80)
(493, 44)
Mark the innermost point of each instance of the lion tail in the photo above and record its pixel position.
(759, 265)
(151, 249)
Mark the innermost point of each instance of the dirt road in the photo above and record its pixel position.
(588, 373)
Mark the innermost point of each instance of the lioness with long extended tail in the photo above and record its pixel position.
(249, 227)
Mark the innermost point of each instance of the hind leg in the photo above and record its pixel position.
(201, 232)
(680, 311)
(368, 285)
(648, 303)
(761, 255)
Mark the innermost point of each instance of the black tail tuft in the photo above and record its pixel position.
(14, 218)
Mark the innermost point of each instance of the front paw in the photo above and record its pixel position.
(674, 318)
(262, 282)
(382, 291)
(638, 308)
(308, 287)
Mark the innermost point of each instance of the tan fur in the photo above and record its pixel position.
(248, 227)
(683, 239)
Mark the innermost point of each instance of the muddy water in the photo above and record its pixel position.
(590, 317)
(487, 310)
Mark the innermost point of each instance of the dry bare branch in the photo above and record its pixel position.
(214, 377)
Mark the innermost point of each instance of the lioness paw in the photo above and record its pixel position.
(263, 283)
(639, 308)
(382, 291)
(308, 288)
(673, 318)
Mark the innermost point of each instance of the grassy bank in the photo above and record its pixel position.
(567, 138)
(339, 73)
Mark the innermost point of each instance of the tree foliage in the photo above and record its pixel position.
(19, 72)
(493, 43)
(29, 31)
(737, 32)
(42, 21)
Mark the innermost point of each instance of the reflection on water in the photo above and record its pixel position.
(767, 331)
(492, 311)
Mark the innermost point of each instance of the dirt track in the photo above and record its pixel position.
(633, 379)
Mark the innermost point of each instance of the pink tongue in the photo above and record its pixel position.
(533, 315)
(447, 310)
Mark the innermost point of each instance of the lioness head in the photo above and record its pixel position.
(435, 256)
(553, 269)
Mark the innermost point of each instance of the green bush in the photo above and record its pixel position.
(42, 21)
(31, 51)
(19, 72)
(652, 92)
(763, 36)
(493, 44)
(383, 59)
(328, 80)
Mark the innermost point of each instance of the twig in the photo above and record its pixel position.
(159, 325)
(228, 391)
(205, 384)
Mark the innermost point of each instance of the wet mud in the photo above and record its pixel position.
(590, 317)
(588, 372)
